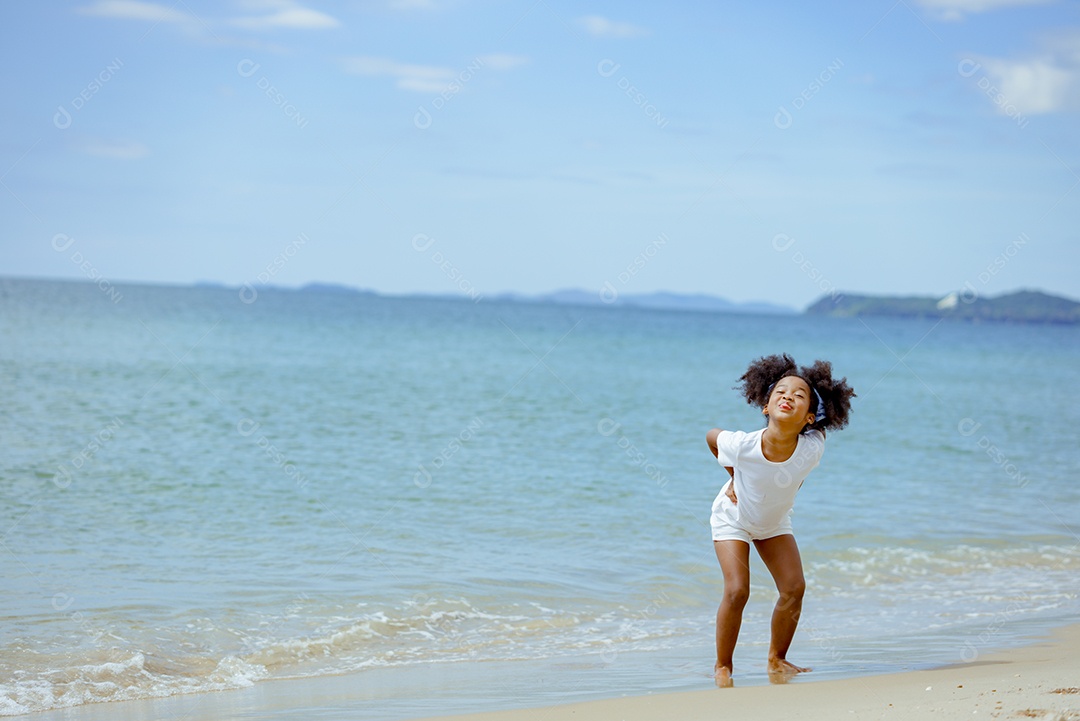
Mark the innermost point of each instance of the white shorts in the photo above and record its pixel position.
(725, 524)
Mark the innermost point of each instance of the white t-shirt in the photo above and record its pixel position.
(765, 490)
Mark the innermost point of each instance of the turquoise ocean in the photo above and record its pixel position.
(203, 489)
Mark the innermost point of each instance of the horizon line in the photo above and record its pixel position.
(513, 295)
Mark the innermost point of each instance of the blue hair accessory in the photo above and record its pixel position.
(819, 415)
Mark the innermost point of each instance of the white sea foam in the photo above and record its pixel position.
(121, 680)
(443, 630)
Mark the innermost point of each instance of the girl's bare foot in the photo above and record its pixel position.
(722, 675)
(781, 670)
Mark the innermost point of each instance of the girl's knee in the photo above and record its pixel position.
(791, 593)
(736, 594)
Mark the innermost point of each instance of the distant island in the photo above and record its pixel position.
(1025, 306)
(661, 300)
(335, 288)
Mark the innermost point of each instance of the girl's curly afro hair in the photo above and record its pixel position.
(764, 372)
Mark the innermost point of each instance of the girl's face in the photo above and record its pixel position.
(790, 401)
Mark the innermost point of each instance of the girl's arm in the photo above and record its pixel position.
(710, 438)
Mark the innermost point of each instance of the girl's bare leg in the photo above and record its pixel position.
(734, 557)
(781, 556)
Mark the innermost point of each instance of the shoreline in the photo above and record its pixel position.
(1040, 679)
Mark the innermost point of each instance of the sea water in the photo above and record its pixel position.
(204, 489)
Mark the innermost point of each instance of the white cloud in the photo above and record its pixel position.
(134, 10)
(117, 150)
(601, 27)
(412, 5)
(264, 14)
(422, 78)
(1033, 86)
(284, 14)
(1045, 82)
(429, 78)
(953, 10)
(501, 61)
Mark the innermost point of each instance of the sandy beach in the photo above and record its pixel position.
(1039, 681)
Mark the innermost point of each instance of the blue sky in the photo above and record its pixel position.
(772, 151)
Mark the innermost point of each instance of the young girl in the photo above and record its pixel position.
(767, 467)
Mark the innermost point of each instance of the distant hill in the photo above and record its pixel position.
(334, 288)
(659, 301)
(573, 296)
(1025, 306)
